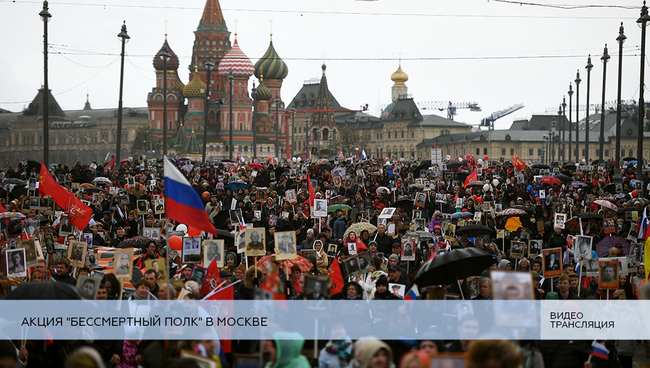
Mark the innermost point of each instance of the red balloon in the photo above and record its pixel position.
(468, 156)
(479, 200)
(175, 242)
(474, 197)
(486, 158)
(206, 196)
(191, 231)
(635, 193)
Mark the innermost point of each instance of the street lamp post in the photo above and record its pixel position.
(165, 57)
(209, 66)
(118, 142)
(570, 93)
(642, 21)
(588, 67)
(254, 95)
(605, 58)
(231, 78)
(553, 125)
(306, 138)
(563, 120)
(577, 81)
(617, 168)
(45, 16)
(293, 127)
(277, 128)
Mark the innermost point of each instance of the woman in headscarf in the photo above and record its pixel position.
(321, 256)
(335, 354)
(371, 354)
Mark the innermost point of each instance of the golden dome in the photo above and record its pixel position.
(399, 77)
(196, 87)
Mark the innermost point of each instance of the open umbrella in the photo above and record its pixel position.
(591, 215)
(551, 180)
(475, 230)
(102, 181)
(477, 183)
(236, 185)
(606, 204)
(610, 188)
(417, 185)
(602, 249)
(255, 165)
(136, 242)
(403, 203)
(302, 262)
(382, 190)
(338, 199)
(12, 215)
(453, 165)
(621, 211)
(564, 178)
(45, 290)
(511, 212)
(520, 207)
(338, 207)
(456, 264)
(359, 227)
(462, 215)
(540, 166)
(578, 184)
(13, 181)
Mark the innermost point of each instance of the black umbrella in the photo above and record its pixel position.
(45, 290)
(564, 178)
(520, 207)
(591, 215)
(629, 159)
(628, 209)
(569, 167)
(406, 204)
(610, 188)
(475, 230)
(136, 242)
(453, 165)
(456, 264)
(540, 166)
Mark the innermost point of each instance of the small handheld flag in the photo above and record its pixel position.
(599, 351)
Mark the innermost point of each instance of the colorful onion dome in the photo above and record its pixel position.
(236, 61)
(270, 65)
(172, 62)
(263, 93)
(196, 87)
(399, 77)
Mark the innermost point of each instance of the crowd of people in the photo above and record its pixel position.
(375, 223)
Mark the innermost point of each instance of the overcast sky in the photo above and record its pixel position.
(492, 52)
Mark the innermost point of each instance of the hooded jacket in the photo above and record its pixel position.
(368, 348)
(288, 351)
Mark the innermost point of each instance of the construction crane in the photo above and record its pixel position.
(489, 121)
(451, 107)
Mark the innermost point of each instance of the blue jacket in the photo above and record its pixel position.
(339, 228)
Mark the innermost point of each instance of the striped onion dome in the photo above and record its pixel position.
(271, 66)
(263, 93)
(236, 61)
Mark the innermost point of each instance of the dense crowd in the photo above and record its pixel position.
(384, 223)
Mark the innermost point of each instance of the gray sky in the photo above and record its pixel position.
(494, 53)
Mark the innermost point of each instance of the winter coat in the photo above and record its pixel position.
(288, 351)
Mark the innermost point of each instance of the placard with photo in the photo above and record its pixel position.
(213, 248)
(192, 249)
(152, 232)
(77, 253)
(608, 273)
(398, 290)
(51, 205)
(449, 231)
(582, 247)
(320, 207)
(473, 283)
(420, 224)
(291, 196)
(142, 207)
(534, 248)
(508, 286)
(387, 212)
(91, 260)
(317, 287)
(420, 200)
(560, 219)
(609, 226)
(198, 274)
(408, 249)
(48, 239)
(255, 242)
(16, 263)
(285, 245)
(352, 248)
(517, 249)
(552, 262)
(88, 239)
(123, 263)
(633, 234)
(441, 198)
(157, 265)
(416, 214)
(88, 285)
(159, 206)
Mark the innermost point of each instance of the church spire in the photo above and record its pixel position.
(212, 18)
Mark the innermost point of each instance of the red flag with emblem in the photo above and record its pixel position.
(212, 279)
(517, 162)
(110, 167)
(471, 177)
(221, 310)
(78, 213)
(337, 277)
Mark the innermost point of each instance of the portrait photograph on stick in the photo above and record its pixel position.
(552, 262)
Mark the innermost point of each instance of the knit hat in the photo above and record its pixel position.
(192, 286)
(393, 256)
(241, 267)
(310, 231)
(231, 256)
(382, 280)
(437, 227)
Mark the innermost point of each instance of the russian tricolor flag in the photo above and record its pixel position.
(599, 351)
(182, 203)
(412, 295)
(643, 226)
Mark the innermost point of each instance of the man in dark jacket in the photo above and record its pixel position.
(384, 242)
(63, 272)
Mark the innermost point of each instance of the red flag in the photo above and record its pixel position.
(110, 167)
(78, 213)
(312, 195)
(272, 282)
(212, 279)
(337, 277)
(471, 177)
(226, 294)
(2, 208)
(517, 162)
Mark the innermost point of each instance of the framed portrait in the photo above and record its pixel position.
(88, 239)
(358, 264)
(157, 265)
(517, 249)
(95, 199)
(416, 214)
(608, 274)
(255, 242)
(420, 200)
(236, 216)
(398, 290)
(25, 202)
(65, 228)
(91, 260)
(512, 285)
(48, 239)
(152, 232)
(320, 207)
(633, 234)
(534, 248)
(198, 274)
(74, 188)
(408, 249)
(337, 181)
(590, 267)
(331, 249)
(352, 248)
(142, 207)
(261, 195)
(257, 215)
(441, 198)
(285, 245)
(317, 287)
(291, 196)
(200, 360)
(16, 264)
(272, 175)
(123, 263)
(449, 309)
(582, 247)
(213, 249)
(88, 285)
(240, 240)
(609, 226)
(560, 219)
(477, 216)
(159, 206)
(449, 231)
(552, 262)
(387, 212)
(473, 285)
(77, 253)
(192, 249)
(420, 224)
